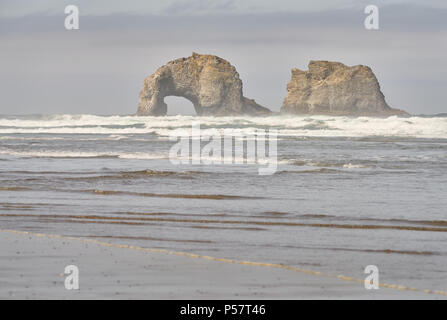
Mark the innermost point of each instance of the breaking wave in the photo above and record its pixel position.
(82, 154)
(296, 126)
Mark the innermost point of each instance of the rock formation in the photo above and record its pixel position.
(211, 83)
(336, 89)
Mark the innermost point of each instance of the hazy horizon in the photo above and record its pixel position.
(100, 68)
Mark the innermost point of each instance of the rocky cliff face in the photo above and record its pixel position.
(336, 89)
(211, 83)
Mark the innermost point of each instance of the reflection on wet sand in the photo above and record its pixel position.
(237, 222)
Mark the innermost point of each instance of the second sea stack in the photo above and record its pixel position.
(333, 88)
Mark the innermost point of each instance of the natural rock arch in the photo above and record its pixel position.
(211, 83)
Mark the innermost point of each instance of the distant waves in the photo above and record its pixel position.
(117, 127)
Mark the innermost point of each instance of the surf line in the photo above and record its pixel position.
(229, 261)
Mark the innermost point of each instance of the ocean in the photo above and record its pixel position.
(347, 192)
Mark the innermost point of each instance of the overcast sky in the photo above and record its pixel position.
(100, 68)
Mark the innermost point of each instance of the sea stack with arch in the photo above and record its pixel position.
(211, 83)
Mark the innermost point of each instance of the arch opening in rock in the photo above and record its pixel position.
(179, 106)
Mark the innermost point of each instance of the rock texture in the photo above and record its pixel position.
(336, 89)
(211, 83)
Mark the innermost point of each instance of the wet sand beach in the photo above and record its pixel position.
(33, 268)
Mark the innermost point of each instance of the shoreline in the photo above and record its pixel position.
(33, 268)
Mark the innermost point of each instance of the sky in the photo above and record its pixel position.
(100, 68)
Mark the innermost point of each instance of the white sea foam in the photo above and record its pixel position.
(53, 154)
(117, 137)
(125, 155)
(353, 166)
(297, 126)
(82, 154)
(143, 156)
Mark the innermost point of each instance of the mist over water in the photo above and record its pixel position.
(348, 192)
(296, 126)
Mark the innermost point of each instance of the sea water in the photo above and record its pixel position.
(347, 192)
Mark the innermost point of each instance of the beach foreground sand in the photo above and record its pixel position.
(32, 267)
